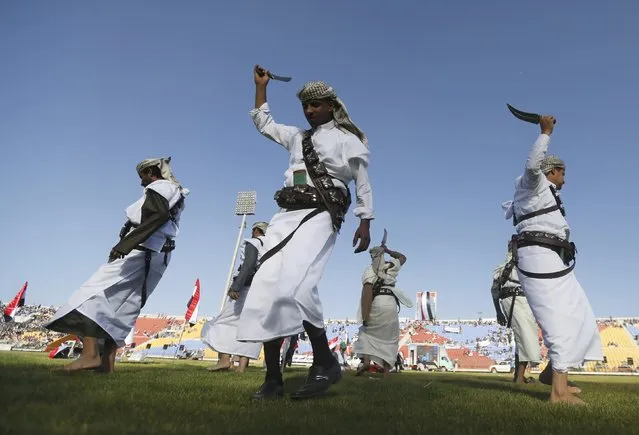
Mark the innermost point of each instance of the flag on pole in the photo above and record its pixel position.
(17, 302)
(130, 339)
(192, 305)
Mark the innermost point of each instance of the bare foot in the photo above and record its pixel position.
(574, 390)
(219, 368)
(82, 363)
(566, 398)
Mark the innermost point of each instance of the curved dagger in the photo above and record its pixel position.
(260, 72)
(384, 238)
(533, 118)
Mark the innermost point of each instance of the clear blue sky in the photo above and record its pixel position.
(88, 89)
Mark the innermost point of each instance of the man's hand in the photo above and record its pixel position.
(501, 319)
(547, 124)
(261, 76)
(363, 235)
(235, 295)
(115, 255)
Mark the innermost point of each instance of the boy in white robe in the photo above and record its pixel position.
(284, 298)
(220, 334)
(106, 307)
(545, 262)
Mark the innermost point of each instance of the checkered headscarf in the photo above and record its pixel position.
(322, 91)
(551, 162)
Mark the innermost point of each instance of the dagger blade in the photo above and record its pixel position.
(524, 116)
(279, 78)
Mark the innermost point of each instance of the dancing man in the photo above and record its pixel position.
(514, 312)
(284, 299)
(106, 307)
(221, 332)
(545, 260)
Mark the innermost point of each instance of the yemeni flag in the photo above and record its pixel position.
(192, 306)
(17, 302)
(332, 344)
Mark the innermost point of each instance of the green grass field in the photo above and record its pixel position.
(182, 397)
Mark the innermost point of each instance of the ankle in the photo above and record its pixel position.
(274, 377)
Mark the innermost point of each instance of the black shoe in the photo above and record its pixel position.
(319, 380)
(270, 389)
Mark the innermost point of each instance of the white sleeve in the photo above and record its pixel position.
(357, 155)
(266, 125)
(532, 173)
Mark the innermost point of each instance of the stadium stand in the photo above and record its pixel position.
(472, 344)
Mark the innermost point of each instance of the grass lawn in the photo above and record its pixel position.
(183, 398)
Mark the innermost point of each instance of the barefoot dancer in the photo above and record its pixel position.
(378, 337)
(220, 333)
(108, 304)
(545, 261)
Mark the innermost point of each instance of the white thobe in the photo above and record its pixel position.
(560, 305)
(379, 339)
(284, 290)
(220, 333)
(523, 321)
(112, 297)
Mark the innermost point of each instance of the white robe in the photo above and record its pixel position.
(524, 328)
(523, 324)
(112, 297)
(379, 339)
(560, 305)
(220, 334)
(284, 291)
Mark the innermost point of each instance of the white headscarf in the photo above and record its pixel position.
(322, 91)
(262, 226)
(165, 170)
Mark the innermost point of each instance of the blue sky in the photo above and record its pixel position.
(88, 89)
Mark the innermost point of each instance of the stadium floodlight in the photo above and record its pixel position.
(245, 203)
(244, 206)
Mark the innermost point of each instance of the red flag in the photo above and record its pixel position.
(17, 302)
(192, 305)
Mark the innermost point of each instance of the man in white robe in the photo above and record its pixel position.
(220, 334)
(284, 299)
(378, 337)
(514, 312)
(106, 307)
(545, 262)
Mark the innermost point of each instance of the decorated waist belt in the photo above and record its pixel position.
(566, 251)
(303, 196)
(169, 246)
